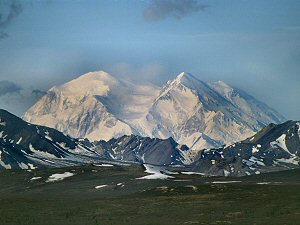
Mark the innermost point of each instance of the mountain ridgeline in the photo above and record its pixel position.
(275, 147)
(98, 106)
(27, 146)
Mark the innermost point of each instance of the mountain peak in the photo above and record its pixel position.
(184, 75)
(92, 83)
(97, 75)
(222, 83)
(185, 79)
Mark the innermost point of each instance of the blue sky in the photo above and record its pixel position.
(254, 45)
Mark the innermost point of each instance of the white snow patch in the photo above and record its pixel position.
(47, 136)
(280, 142)
(36, 178)
(103, 165)
(19, 141)
(226, 182)
(156, 173)
(192, 173)
(49, 161)
(59, 176)
(31, 166)
(41, 153)
(292, 160)
(6, 166)
(187, 156)
(255, 149)
(247, 162)
(253, 160)
(143, 158)
(260, 163)
(101, 186)
(226, 173)
(22, 165)
(113, 157)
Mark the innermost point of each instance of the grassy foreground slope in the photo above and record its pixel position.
(272, 198)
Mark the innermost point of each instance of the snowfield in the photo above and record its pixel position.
(156, 173)
(101, 186)
(226, 182)
(59, 176)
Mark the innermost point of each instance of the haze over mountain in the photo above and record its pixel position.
(201, 115)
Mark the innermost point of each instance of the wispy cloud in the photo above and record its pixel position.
(7, 87)
(3, 35)
(161, 9)
(18, 99)
(8, 12)
(150, 72)
(38, 93)
(14, 9)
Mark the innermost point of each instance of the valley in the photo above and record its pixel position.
(120, 198)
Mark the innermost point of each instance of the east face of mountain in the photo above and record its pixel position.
(200, 115)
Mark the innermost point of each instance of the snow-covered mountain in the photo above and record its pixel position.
(275, 147)
(145, 150)
(204, 115)
(201, 115)
(94, 106)
(27, 146)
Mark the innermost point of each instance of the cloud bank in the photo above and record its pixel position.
(161, 9)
